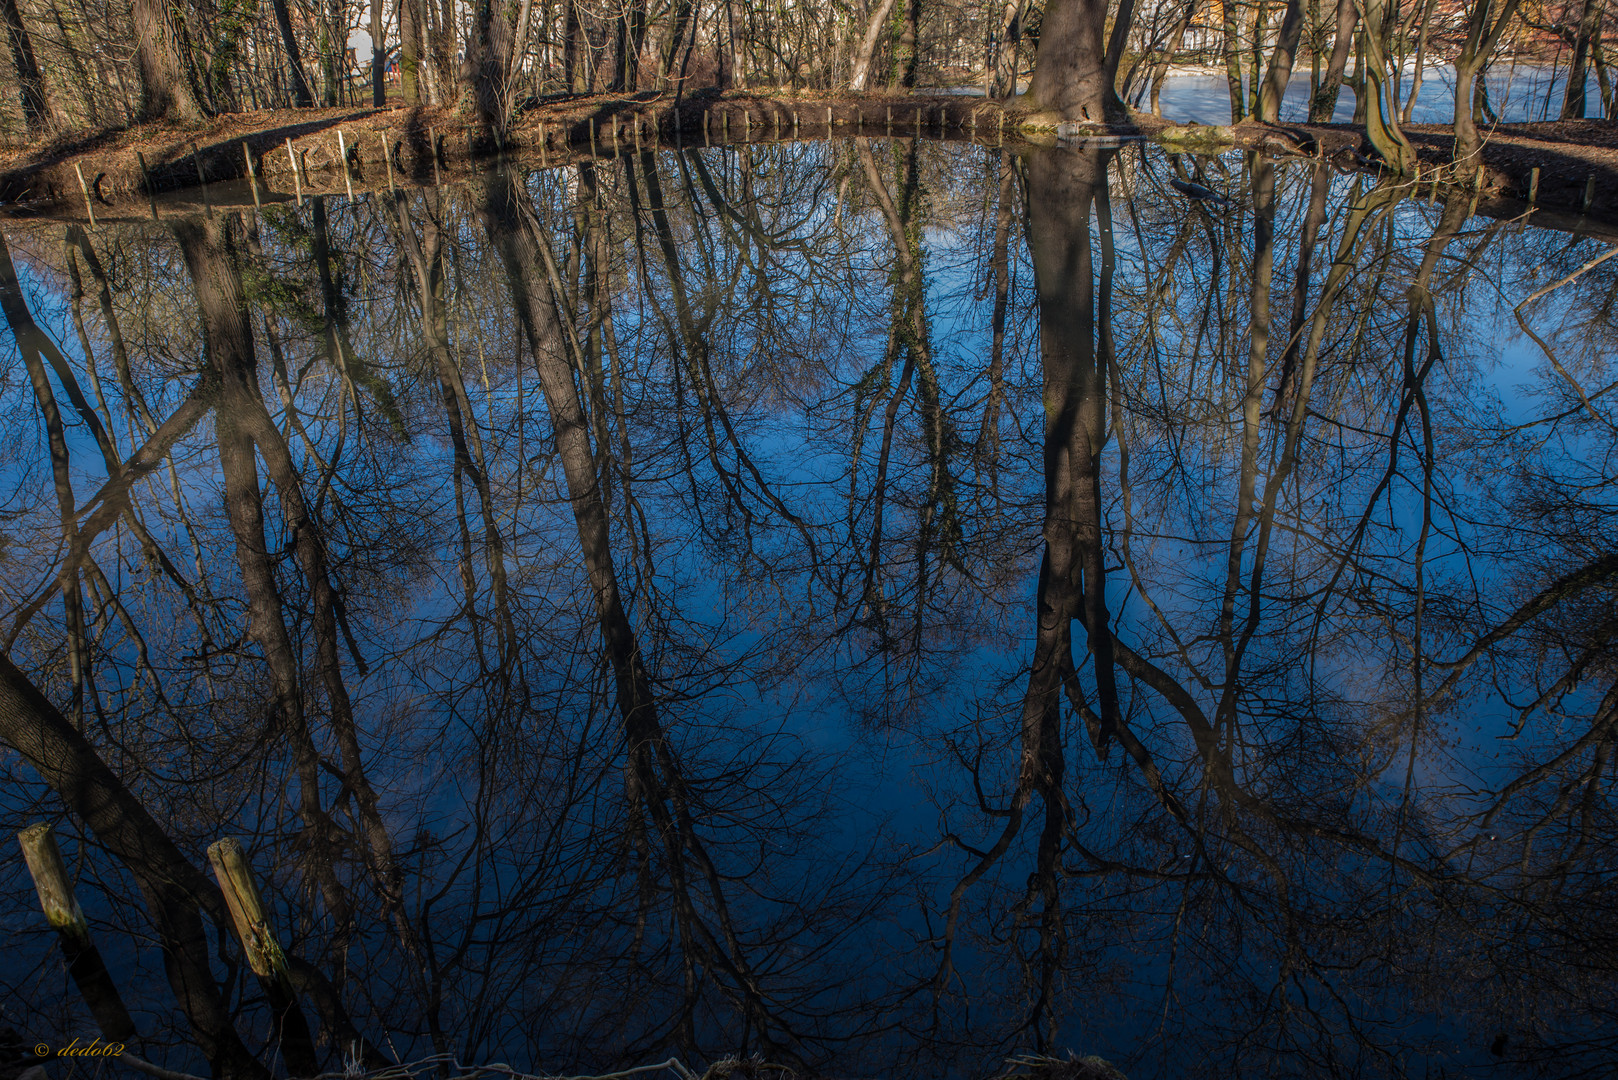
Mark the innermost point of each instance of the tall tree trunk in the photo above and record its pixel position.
(1324, 102)
(302, 96)
(1579, 69)
(866, 56)
(1073, 70)
(165, 88)
(1233, 63)
(1281, 61)
(30, 84)
(1381, 121)
(412, 19)
(379, 56)
(908, 50)
(1480, 43)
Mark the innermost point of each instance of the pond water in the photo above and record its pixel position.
(882, 604)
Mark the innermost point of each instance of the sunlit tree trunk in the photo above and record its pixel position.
(1481, 39)
(166, 91)
(1281, 61)
(1074, 71)
(412, 19)
(1324, 102)
(866, 55)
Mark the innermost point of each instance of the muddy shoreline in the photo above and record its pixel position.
(1559, 167)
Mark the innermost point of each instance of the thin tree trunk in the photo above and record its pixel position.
(866, 55)
(1281, 61)
(36, 109)
(302, 96)
(379, 56)
(1324, 103)
(1578, 69)
(412, 19)
(1233, 63)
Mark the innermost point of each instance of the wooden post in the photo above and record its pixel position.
(387, 158)
(202, 182)
(794, 123)
(342, 158)
(1533, 185)
(614, 133)
(62, 911)
(707, 127)
(297, 177)
(252, 177)
(432, 137)
(85, 188)
(890, 121)
(151, 190)
(592, 125)
(828, 123)
(1002, 127)
(747, 126)
(1589, 193)
(974, 125)
(636, 130)
(263, 952)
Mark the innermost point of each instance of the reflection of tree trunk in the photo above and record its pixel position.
(241, 424)
(170, 886)
(654, 779)
(1064, 188)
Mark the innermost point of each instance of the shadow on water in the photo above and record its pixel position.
(881, 605)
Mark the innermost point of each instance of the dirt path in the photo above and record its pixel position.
(128, 172)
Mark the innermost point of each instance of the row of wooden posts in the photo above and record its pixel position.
(299, 169)
(89, 971)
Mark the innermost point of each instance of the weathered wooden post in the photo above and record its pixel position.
(592, 126)
(263, 952)
(62, 911)
(342, 159)
(297, 177)
(432, 139)
(1589, 193)
(146, 175)
(85, 188)
(252, 176)
(1533, 184)
(387, 158)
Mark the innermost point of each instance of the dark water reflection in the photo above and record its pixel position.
(884, 606)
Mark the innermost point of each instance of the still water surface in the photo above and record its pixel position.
(887, 605)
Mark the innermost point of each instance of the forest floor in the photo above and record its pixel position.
(133, 171)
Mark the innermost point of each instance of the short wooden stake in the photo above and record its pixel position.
(202, 182)
(544, 140)
(297, 177)
(707, 128)
(974, 125)
(747, 126)
(252, 177)
(828, 123)
(592, 124)
(1533, 185)
(859, 119)
(890, 120)
(62, 911)
(263, 951)
(387, 158)
(432, 137)
(636, 129)
(724, 126)
(85, 188)
(794, 123)
(151, 189)
(1589, 193)
(342, 158)
(918, 121)
(1002, 128)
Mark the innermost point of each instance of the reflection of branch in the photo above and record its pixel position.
(1551, 356)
